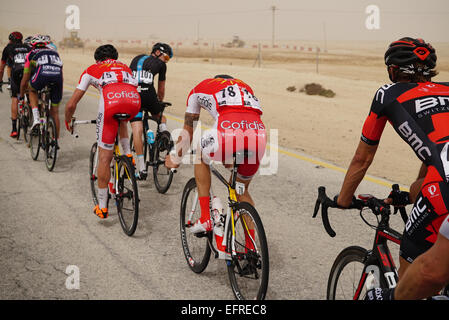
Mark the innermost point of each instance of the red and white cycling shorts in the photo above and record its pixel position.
(116, 98)
(234, 132)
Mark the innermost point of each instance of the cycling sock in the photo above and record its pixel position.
(36, 115)
(140, 162)
(103, 197)
(14, 124)
(205, 209)
(163, 127)
(124, 143)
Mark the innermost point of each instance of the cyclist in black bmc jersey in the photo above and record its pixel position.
(14, 37)
(43, 67)
(418, 110)
(145, 68)
(15, 58)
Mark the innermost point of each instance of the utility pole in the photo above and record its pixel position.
(273, 8)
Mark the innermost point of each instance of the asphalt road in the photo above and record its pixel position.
(47, 227)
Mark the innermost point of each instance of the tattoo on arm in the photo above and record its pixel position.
(190, 118)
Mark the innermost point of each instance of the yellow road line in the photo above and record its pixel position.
(293, 155)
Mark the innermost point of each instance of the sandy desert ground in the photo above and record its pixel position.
(326, 128)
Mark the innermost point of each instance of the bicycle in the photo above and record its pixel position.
(357, 269)
(2, 83)
(24, 117)
(154, 153)
(44, 135)
(125, 191)
(247, 263)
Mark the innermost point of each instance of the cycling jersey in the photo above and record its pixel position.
(238, 126)
(45, 67)
(6, 54)
(118, 89)
(419, 112)
(17, 54)
(145, 68)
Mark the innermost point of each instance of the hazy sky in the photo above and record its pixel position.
(250, 19)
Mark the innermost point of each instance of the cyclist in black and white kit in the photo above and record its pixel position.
(14, 54)
(145, 68)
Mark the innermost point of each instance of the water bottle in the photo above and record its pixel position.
(150, 136)
(217, 211)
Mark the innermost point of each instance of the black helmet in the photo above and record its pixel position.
(15, 36)
(223, 76)
(164, 48)
(106, 51)
(406, 51)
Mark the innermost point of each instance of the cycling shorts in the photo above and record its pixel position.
(149, 102)
(54, 80)
(428, 213)
(16, 78)
(116, 98)
(234, 132)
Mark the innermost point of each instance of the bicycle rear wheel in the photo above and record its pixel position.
(161, 174)
(26, 121)
(196, 248)
(35, 142)
(51, 144)
(127, 198)
(93, 164)
(248, 268)
(347, 276)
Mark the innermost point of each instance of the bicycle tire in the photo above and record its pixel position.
(35, 142)
(353, 291)
(26, 121)
(247, 264)
(162, 147)
(126, 174)
(93, 165)
(196, 249)
(51, 143)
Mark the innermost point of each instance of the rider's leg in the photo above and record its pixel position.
(124, 138)
(14, 107)
(203, 182)
(34, 101)
(104, 174)
(137, 128)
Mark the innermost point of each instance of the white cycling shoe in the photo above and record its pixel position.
(199, 227)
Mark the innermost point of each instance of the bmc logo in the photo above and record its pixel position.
(122, 94)
(414, 141)
(423, 104)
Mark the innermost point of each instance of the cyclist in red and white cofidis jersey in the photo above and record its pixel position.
(118, 94)
(231, 102)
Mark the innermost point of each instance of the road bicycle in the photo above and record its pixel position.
(25, 118)
(44, 135)
(155, 152)
(357, 269)
(246, 252)
(124, 186)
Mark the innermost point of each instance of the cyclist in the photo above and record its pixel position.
(43, 67)
(238, 126)
(118, 90)
(145, 68)
(417, 108)
(13, 37)
(16, 55)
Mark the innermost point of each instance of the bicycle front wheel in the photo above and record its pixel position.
(248, 267)
(35, 142)
(51, 144)
(127, 198)
(196, 248)
(93, 164)
(161, 174)
(347, 276)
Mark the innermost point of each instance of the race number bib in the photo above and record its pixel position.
(20, 58)
(229, 96)
(250, 100)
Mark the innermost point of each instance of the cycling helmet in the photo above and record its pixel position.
(164, 48)
(28, 40)
(411, 55)
(15, 36)
(106, 51)
(223, 76)
(39, 41)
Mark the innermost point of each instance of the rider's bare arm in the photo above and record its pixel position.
(360, 163)
(70, 107)
(161, 90)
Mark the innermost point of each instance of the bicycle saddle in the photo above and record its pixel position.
(121, 116)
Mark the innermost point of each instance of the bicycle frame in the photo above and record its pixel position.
(380, 256)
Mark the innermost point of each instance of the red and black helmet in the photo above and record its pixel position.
(15, 36)
(406, 51)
